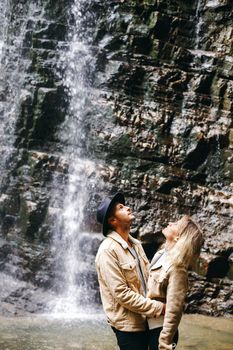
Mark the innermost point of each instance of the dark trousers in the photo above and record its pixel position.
(154, 338)
(132, 340)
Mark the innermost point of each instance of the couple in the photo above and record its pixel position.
(143, 303)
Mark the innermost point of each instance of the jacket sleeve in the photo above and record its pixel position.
(115, 280)
(176, 293)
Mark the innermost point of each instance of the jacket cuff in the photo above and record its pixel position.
(167, 346)
(158, 308)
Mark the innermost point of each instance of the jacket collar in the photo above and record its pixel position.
(156, 262)
(114, 235)
(156, 257)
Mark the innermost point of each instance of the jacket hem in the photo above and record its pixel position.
(127, 327)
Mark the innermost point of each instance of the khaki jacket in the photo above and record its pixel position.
(120, 286)
(169, 284)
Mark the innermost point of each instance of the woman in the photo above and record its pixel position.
(168, 279)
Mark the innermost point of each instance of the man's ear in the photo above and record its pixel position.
(111, 220)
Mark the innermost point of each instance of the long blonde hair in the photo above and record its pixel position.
(189, 243)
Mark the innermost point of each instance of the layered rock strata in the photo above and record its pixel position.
(162, 133)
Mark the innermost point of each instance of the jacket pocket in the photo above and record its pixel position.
(130, 271)
(161, 278)
(158, 285)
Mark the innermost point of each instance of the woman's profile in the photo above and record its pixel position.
(168, 279)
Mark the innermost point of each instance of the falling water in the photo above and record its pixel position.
(4, 9)
(180, 123)
(178, 127)
(199, 21)
(215, 175)
(13, 69)
(78, 65)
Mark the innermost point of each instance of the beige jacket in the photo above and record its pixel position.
(169, 284)
(120, 286)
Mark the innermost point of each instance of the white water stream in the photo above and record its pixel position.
(13, 75)
(181, 123)
(78, 65)
(200, 21)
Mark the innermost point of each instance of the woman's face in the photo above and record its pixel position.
(171, 232)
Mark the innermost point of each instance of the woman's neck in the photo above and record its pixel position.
(169, 245)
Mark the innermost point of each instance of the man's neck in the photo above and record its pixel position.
(124, 233)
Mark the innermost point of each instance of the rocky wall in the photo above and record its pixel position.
(161, 132)
(166, 81)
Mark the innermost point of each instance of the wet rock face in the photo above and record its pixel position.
(168, 107)
(163, 134)
(167, 136)
(210, 297)
(33, 102)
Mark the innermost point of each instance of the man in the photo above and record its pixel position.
(122, 268)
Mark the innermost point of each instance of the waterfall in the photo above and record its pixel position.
(78, 65)
(178, 127)
(13, 75)
(199, 21)
(10, 82)
(4, 9)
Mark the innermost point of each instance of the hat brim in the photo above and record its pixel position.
(118, 198)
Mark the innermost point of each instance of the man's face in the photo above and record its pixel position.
(121, 214)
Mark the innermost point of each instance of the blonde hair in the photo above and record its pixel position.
(189, 243)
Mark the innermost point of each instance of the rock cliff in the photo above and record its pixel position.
(160, 129)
